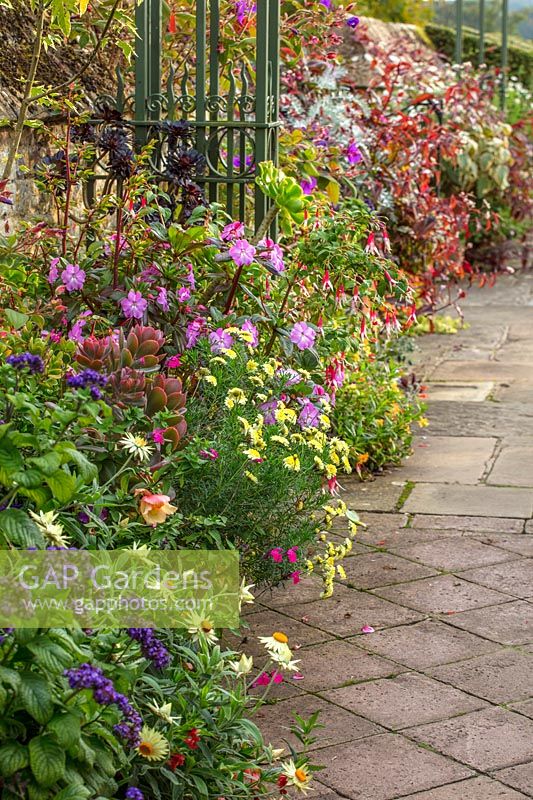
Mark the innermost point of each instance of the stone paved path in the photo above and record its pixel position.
(437, 704)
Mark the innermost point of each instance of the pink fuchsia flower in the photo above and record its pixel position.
(242, 252)
(276, 554)
(308, 185)
(353, 154)
(162, 298)
(193, 333)
(309, 416)
(292, 555)
(173, 362)
(367, 629)
(184, 294)
(295, 577)
(235, 230)
(210, 454)
(53, 273)
(133, 305)
(220, 340)
(158, 435)
(73, 277)
(249, 327)
(303, 336)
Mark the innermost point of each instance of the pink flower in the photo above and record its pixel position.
(173, 362)
(302, 335)
(353, 154)
(194, 331)
(367, 629)
(211, 454)
(274, 253)
(242, 252)
(158, 436)
(276, 554)
(262, 680)
(295, 577)
(162, 298)
(308, 184)
(297, 676)
(53, 274)
(249, 326)
(277, 677)
(184, 294)
(133, 305)
(190, 278)
(292, 555)
(235, 230)
(73, 277)
(220, 340)
(76, 332)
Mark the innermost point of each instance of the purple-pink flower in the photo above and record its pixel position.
(308, 184)
(73, 277)
(53, 274)
(303, 336)
(76, 332)
(309, 416)
(133, 305)
(274, 254)
(210, 454)
(295, 579)
(353, 153)
(242, 252)
(173, 362)
(162, 298)
(158, 435)
(235, 230)
(193, 333)
(292, 555)
(184, 294)
(249, 327)
(220, 340)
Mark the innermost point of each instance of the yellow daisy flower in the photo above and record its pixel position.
(153, 746)
(292, 463)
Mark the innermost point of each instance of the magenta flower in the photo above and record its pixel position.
(274, 254)
(193, 333)
(353, 154)
(367, 629)
(308, 184)
(276, 554)
(249, 327)
(210, 454)
(53, 274)
(133, 305)
(76, 332)
(292, 555)
(162, 298)
(73, 277)
(242, 252)
(173, 362)
(235, 230)
(295, 577)
(302, 335)
(184, 294)
(158, 435)
(220, 340)
(190, 278)
(262, 680)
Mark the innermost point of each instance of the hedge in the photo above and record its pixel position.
(520, 51)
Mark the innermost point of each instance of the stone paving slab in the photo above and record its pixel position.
(425, 644)
(466, 392)
(378, 495)
(471, 789)
(499, 677)
(479, 419)
(481, 501)
(467, 522)
(520, 777)
(525, 708)
(382, 521)
(403, 701)
(333, 664)
(449, 459)
(385, 767)
(486, 740)
(451, 554)
(379, 569)
(514, 578)
(510, 623)
(483, 371)
(513, 466)
(521, 544)
(444, 594)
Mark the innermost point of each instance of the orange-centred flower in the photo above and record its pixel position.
(155, 508)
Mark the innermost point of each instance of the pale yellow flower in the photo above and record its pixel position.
(153, 746)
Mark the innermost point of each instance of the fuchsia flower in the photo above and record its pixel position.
(173, 362)
(276, 554)
(308, 184)
(235, 230)
(292, 555)
(220, 340)
(133, 305)
(249, 327)
(162, 298)
(302, 335)
(184, 294)
(73, 277)
(242, 252)
(53, 274)
(295, 577)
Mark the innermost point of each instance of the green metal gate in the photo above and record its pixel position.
(232, 128)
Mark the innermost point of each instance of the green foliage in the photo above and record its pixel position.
(414, 12)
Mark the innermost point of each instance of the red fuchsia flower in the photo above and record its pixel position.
(295, 576)
(176, 760)
(292, 555)
(235, 230)
(133, 305)
(250, 328)
(162, 298)
(282, 781)
(326, 281)
(158, 435)
(242, 252)
(370, 246)
(220, 340)
(192, 739)
(308, 184)
(53, 273)
(73, 277)
(335, 373)
(209, 455)
(302, 335)
(276, 554)
(333, 485)
(173, 362)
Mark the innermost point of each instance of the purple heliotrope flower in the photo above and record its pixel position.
(133, 305)
(220, 340)
(353, 153)
(88, 379)
(309, 415)
(162, 298)
(242, 252)
(151, 647)
(132, 793)
(73, 277)
(302, 335)
(308, 184)
(27, 361)
(353, 22)
(249, 327)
